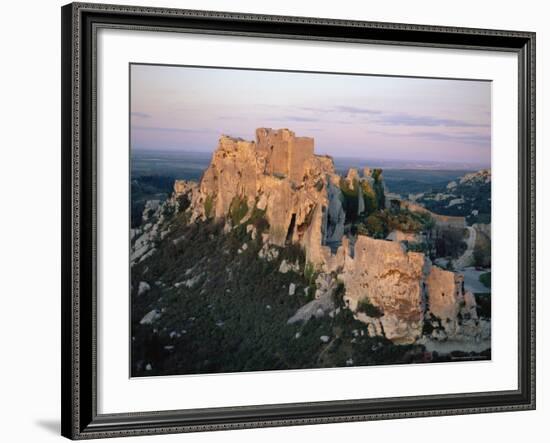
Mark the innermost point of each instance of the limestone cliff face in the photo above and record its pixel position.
(405, 287)
(286, 154)
(300, 197)
(451, 304)
(445, 294)
(184, 188)
(391, 279)
(279, 174)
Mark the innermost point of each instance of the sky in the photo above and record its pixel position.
(372, 117)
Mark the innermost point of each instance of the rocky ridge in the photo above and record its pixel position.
(468, 197)
(278, 178)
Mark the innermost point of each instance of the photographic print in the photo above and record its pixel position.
(286, 220)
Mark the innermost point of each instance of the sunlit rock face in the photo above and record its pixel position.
(405, 286)
(399, 236)
(483, 176)
(391, 279)
(444, 293)
(454, 307)
(184, 187)
(233, 172)
(287, 155)
(279, 174)
(299, 195)
(352, 177)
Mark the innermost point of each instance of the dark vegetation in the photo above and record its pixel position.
(226, 311)
(378, 221)
(237, 210)
(208, 206)
(476, 198)
(369, 309)
(450, 243)
(373, 196)
(431, 323)
(483, 301)
(232, 313)
(381, 223)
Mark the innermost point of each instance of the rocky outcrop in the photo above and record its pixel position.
(469, 197)
(299, 195)
(184, 187)
(286, 155)
(467, 258)
(335, 215)
(322, 304)
(482, 176)
(453, 308)
(444, 289)
(352, 177)
(384, 274)
(279, 175)
(404, 286)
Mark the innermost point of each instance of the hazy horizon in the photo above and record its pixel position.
(370, 161)
(363, 117)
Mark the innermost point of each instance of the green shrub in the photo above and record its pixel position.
(375, 226)
(380, 195)
(310, 273)
(350, 200)
(380, 223)
(361, 229)
(369, 196)
(237, 209)
(257, 218)
(208, 206)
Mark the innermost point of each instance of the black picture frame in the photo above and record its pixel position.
(79, 171)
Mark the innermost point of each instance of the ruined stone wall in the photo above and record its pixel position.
(403, 285)
(301, 151)
(286, 154)
(444, 291)
(280, 173)
(391, 279)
